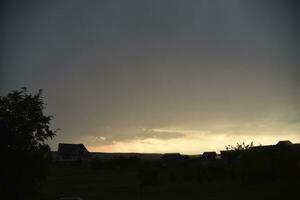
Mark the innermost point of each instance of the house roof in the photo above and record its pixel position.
(71, 149)
(263, 147)
(284, 143)
(212, 153)
(209, 155)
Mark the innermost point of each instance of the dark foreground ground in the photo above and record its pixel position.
(91, 184)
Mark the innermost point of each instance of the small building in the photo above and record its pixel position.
(285, 145)
(209, 156)
(72, 153)
(280, 146)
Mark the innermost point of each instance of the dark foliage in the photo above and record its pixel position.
(239, 146)
(24, 130)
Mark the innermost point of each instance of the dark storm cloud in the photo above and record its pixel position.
(155, 64)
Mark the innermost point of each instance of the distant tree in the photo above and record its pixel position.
(24, 131)
(239, 146)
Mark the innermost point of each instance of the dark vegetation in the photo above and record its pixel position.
(25, 155)
(253, 177)
(263, 172)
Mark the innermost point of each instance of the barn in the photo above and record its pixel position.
(72, 153)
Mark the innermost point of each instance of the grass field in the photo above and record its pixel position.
(92, 184)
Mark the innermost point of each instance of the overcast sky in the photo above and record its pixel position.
(158, 76)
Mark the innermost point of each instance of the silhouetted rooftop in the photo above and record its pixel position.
(284, 143)
(209, 155)
(71, 149)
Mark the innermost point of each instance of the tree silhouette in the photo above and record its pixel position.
(239, 146)
(24, 131)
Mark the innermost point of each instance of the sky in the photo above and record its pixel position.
(157, 76)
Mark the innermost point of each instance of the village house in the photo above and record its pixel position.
(72, 153)
(209, 156)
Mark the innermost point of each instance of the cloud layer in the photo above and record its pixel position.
(127, 72)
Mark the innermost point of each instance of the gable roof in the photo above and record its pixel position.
(209, 155)
(284, 143)
(71, 149)
(212, 153)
